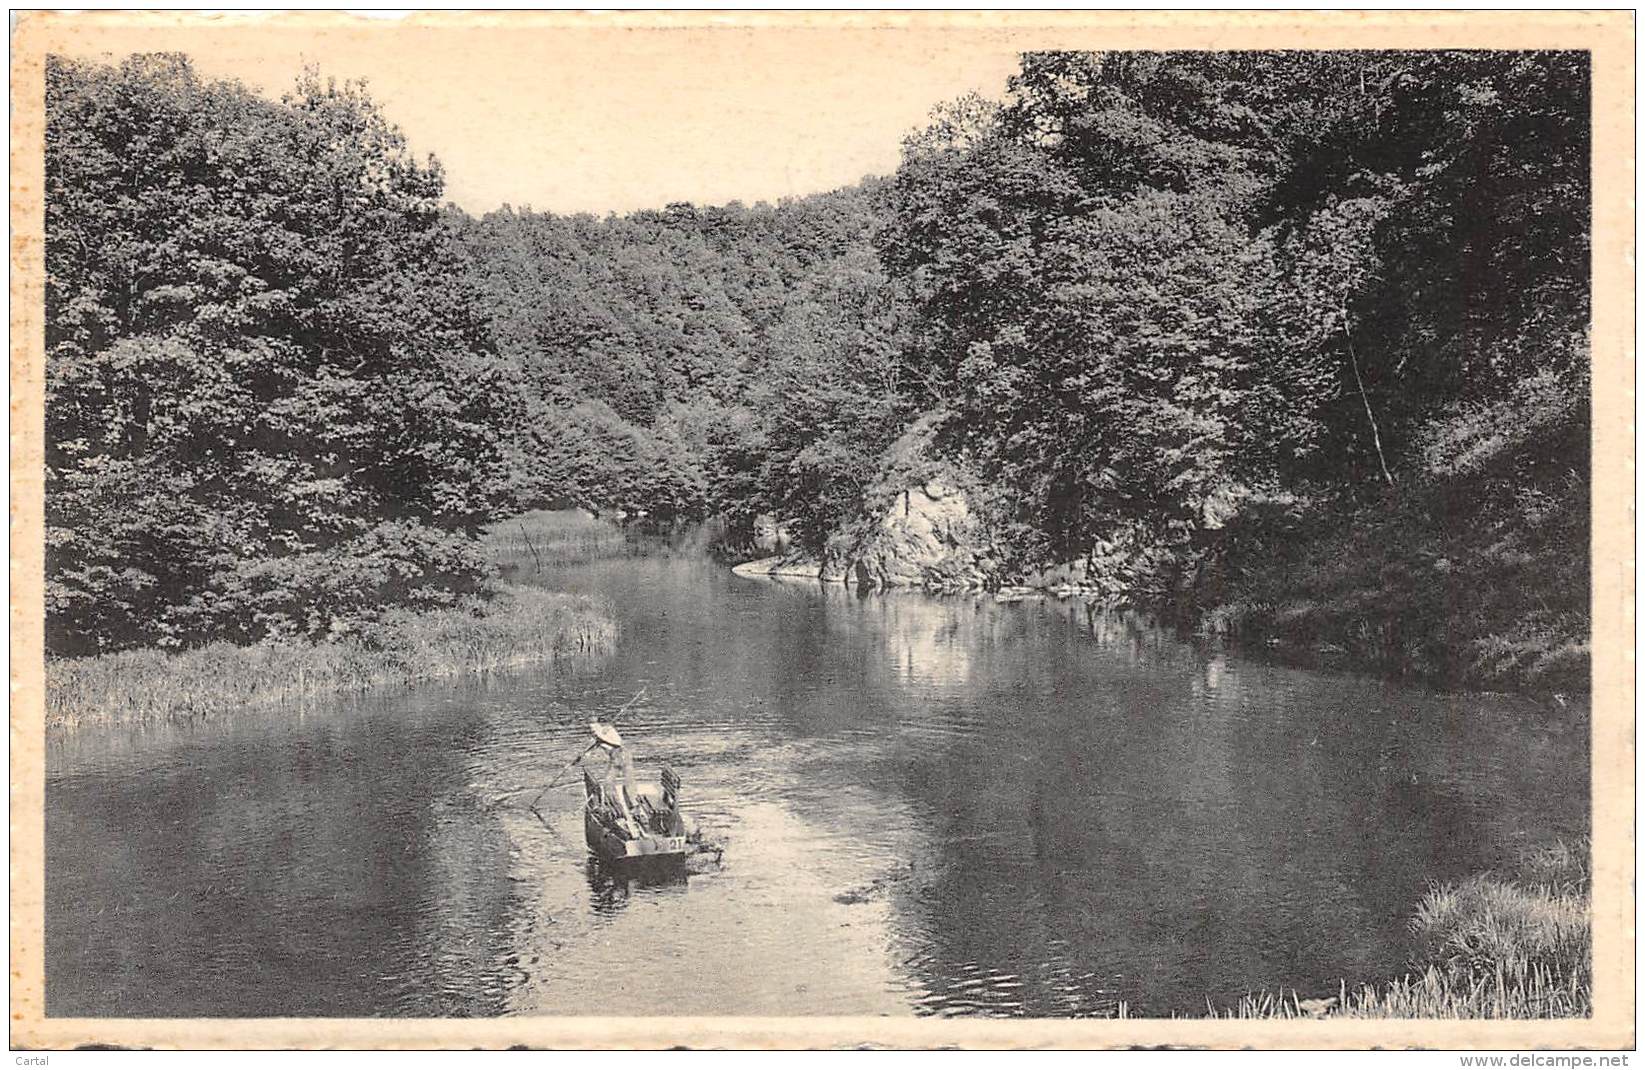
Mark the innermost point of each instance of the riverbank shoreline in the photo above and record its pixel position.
(446, 768)
(1516, 945)
(781, 565)
(1211, 627)
(519, 627)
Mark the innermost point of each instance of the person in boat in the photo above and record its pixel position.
(634, 807)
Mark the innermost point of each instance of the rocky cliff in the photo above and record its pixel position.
(927, 537)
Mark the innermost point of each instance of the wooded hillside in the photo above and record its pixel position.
(1294, 344)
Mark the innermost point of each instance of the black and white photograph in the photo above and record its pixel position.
(950, 523)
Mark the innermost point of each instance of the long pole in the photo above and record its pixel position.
(624, 707)
(562, 773)
(566, 768)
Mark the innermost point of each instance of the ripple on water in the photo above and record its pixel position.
(931, 806)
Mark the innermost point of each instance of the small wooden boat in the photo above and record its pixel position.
(625, 820)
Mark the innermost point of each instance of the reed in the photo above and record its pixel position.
(522, 626)
(550, 539)
(1490, 947)
(1506, 992)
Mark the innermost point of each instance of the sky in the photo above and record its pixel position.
(577, 118)
(569, 112)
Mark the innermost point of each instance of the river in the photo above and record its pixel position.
(930, 805)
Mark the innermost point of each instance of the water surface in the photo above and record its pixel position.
(931, 806)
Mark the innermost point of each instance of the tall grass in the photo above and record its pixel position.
(549, 539)
(1538, 993)
(1490, 947)
(521, 626)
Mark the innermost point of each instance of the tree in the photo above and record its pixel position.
(834, 394)
(1092, 303)
(270, 407)
(738, 354)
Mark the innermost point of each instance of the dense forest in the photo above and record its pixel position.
(1291, 345)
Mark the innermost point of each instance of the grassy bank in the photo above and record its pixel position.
(1494, 946)
(546, 539)
(522, 626)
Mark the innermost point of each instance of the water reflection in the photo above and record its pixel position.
(176, 889)
(931, 806)
(610, 887)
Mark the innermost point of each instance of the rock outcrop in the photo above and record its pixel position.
(928, 537)
(771, 535)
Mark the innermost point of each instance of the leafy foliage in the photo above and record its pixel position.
(1293, 341)
(270, 407)
(1217, 323)
(693, 361)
